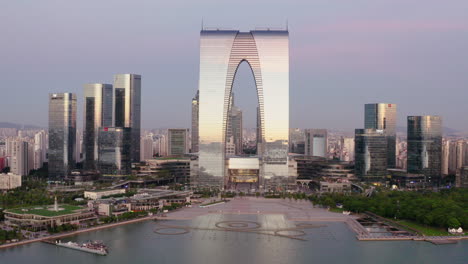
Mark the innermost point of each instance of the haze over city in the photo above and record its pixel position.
(342, 55)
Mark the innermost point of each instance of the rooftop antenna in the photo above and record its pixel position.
(202, 24)
(287, 25)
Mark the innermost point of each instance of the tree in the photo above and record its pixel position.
(452, 222)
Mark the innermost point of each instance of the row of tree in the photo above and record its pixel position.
(9, 235)
(446, 208)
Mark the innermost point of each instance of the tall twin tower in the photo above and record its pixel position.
(221, 53)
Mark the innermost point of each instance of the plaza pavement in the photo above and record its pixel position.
(299, 210)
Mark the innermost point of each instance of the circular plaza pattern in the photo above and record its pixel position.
(238, 225)
(181, 230)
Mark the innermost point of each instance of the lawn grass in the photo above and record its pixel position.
(44, 211)
(426, 230)
(336, 210)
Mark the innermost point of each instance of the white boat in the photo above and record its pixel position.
(90, 247)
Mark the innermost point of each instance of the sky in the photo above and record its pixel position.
(343, 54)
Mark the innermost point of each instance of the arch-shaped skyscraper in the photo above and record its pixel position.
(221, 53)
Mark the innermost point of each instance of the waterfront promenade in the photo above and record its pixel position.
(76, 232)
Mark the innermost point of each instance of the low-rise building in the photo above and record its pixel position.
(339, 187)
(10, 181)
(41, 217)
(98, 194)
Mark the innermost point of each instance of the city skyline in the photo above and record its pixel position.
(344, 44)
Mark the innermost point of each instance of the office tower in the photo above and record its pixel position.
(383, 117)
(316, 142)
(114, 155)
(195, 102)
(235, 129)
(370, 155)
(347, 149)
(296, 141)
(177, 143)
(98, 99)
(62, 134)
(221, 52)
(146, 148)
(127, 108)
(425, 147)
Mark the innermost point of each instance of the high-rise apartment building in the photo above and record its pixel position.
(425, 147)
(194, 139)
(98, 103)
(316, 142)
(235, 129)
(347, 149)
(370, 154)
(382, 116)
(127, 108)
(146, 148)
(40, 149)
(62, 134)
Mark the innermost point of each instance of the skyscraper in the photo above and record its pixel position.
(114, 155)
(127, 108)
(235, 128)
(382, 116)
(425, 147)
(62, 134)
(221, 53)
(98, 113)
(316, 142)
(370, 154)
(195, 103)
(177, 143)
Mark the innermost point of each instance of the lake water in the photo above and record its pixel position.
(203, 244)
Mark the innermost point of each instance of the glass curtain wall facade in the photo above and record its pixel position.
(316, 142)
(221, 52)
(370, 155)
(382, 116)
(177, 143)
(425, 147)
(98, 99)
(127, 108)
(194, 139)
(62, 134)
(114, 150)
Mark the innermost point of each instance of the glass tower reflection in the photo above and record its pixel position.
(98, 113)
(62, 134)
(382, 116)
(127, 108)
(221, 52)
(425, 147)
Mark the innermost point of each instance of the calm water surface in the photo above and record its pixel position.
(332, 243)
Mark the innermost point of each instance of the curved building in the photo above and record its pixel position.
(221, 53)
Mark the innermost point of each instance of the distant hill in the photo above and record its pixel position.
(18, 126)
